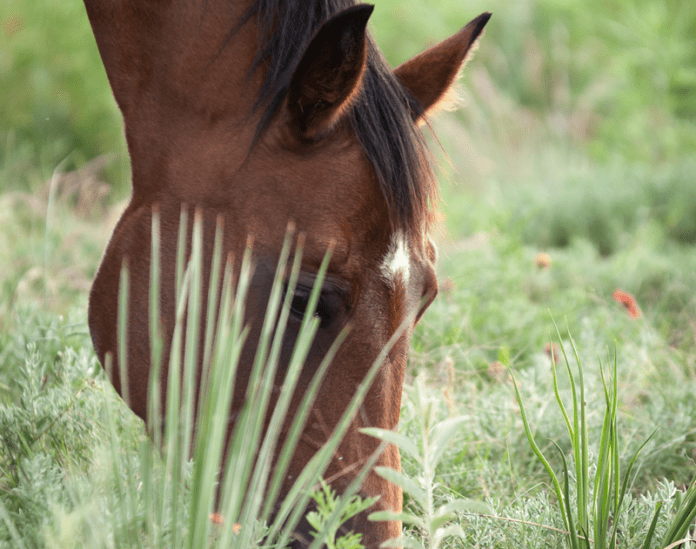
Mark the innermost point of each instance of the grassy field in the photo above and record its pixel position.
(576, 139)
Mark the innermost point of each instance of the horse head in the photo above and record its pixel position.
(260, 116)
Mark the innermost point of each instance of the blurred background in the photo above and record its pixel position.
(577, 119)
(577, 127)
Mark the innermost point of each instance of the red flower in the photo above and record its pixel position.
(628, 301)
(13, 25)
(216, 518)
(553, 351)
(543, 260)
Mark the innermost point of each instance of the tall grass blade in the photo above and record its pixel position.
(153, 504)
(651, 529)
(201, 496)
(118, 503)
(577, 433)
(191, 338)
(213, 288)
(215, 397)
(624, 488)
(539, 454)
(569, 425)
(684, 518)
(582, 465)
(181, 248)
(248, 426)
(127, 496)
(173, 426)
(225, 364)
(122, 332)
(603, 478)
(154, 418)
(573, 534)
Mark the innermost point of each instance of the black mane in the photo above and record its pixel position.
(381, 117)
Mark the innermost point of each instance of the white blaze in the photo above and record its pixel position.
(397, 260)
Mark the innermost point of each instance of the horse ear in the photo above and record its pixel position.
(329, 73)
(430, 76)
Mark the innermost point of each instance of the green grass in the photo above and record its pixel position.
(576, 138)
(57, 104)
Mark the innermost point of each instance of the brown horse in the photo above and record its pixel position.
(266, 112)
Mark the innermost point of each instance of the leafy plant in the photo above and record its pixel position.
(434, 521)
(326, 504)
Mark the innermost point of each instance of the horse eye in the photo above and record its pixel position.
(300, 300)
(328, 306)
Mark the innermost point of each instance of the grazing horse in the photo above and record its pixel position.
(265, 113)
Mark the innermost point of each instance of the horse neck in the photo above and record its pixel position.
(199, 85)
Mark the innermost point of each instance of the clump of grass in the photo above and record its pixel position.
(163, 493)
(600, 501)
(251, 479)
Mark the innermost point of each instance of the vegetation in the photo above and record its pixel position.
(576, 139)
